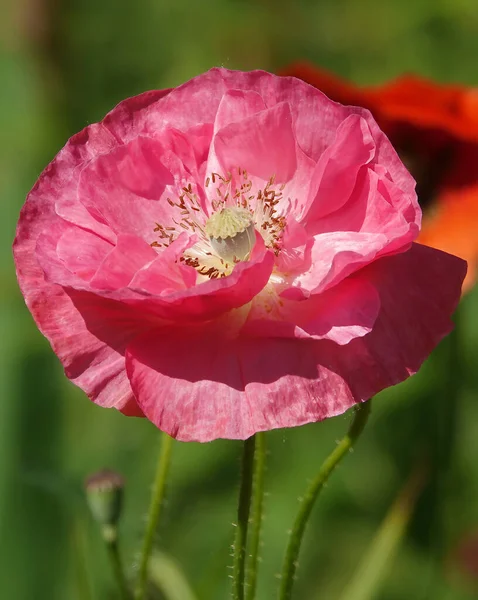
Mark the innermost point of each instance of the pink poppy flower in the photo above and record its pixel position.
(233, 255)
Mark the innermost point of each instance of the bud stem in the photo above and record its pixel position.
(157, 498)
(117, 565)
(361, 414)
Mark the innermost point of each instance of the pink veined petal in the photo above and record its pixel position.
(126, 187)
(81, 353)
(53, 267)
(235, 106)
(202, 388)
(135, 116)
(336, 172)
(218, 296)
(371, 209)
(346, 311)
(263, 144)
(130, 254)
(93, 364)
(166, 274)
(82, 251)
(365, 228)
(419, 290)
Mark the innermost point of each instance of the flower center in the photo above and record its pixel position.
(241, 211)
(231, 233)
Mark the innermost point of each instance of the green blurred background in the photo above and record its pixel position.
(64, 64)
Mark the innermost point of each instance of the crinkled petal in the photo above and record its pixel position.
(237, 105)
(200, 387)
(95, 365)
(263, 144)
(346, 311)
(165, 274)
(130, 254)
(81, 251)
(336, 172)
(365, 228)
(126, 187)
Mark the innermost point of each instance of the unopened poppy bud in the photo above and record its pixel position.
(104, 494)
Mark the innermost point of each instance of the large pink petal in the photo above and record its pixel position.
(130, 254)
(263, 144)
(83, 355)
(215, 297)
(166, 274)
(365, 228)
(203, 387)
(336, 172)
(82, 251)
(237, 105)
(126, 187)
(342, 313)
(95, 365)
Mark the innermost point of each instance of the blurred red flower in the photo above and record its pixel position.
(434, 128)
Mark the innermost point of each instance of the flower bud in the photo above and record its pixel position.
(104, 495)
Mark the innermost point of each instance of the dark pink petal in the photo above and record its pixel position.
(365, 228)
(126, 187)
(217, 296)
(202, 387)
(235, 106)
(166, 274)
(135, 116)
(346, 311)
(336, 172)
(93, 364)
(263, 144)
(81, 251)
(130, 254)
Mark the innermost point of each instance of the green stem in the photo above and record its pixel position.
(256, 519)
(243, 509)
(154, 513)
(361, 413)
(117, 565)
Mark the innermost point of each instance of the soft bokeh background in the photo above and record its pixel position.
(63, 64)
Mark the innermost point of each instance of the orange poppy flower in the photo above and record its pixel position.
(434, 128)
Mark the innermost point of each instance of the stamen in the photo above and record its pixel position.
(228, 235)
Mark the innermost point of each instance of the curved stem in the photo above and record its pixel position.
(117, 565)
(362, 412)
(256, 517)
(243, 509)
(154, 513)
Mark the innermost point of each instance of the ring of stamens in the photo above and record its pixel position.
(234, 192)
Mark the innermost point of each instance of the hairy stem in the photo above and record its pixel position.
(243, 509)
(361, 414)
(256, 516)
